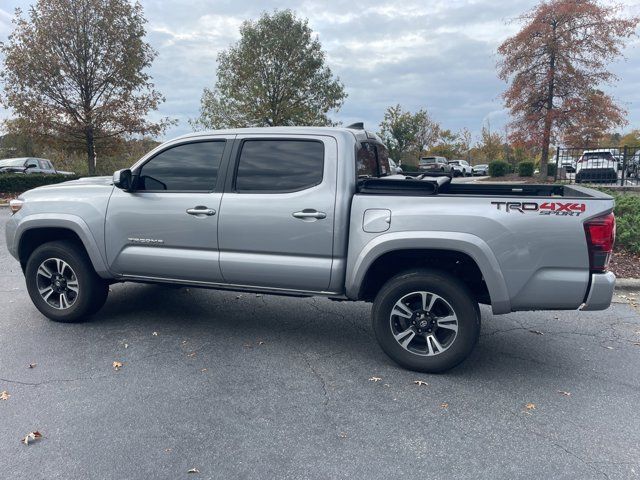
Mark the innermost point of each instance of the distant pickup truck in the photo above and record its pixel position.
(315, 212)
(30, 165)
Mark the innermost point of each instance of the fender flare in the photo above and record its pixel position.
(68, 222)
(466, 243)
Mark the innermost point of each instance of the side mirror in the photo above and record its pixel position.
(122, 179)
(30, 165)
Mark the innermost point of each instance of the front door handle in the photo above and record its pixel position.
(201, 211)
(309, 214)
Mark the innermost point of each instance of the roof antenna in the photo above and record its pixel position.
(357, 126)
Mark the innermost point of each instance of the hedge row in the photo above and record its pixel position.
(19, 182)
(499, 168)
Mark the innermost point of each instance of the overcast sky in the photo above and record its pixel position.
(434, 54)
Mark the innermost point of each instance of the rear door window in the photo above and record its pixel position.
(279, 165)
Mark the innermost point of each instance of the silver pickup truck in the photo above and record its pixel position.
(315, 211)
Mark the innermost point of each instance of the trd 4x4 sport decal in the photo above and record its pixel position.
(547, 208)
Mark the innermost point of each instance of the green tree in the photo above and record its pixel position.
(74, 72)
(406, 133)
(274, 75)
(491, 145)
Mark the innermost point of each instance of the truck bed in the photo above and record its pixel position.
(430, 186)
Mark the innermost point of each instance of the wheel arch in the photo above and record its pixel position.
(36, 230)
(465, 255)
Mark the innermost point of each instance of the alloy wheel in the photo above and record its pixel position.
(423, 323)
(57, 283)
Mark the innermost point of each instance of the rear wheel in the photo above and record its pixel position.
(426, 320)
(62, 283)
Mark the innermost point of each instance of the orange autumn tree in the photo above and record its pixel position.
(594, 115)
(555, 63)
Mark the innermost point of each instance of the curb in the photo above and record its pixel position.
(627, 284)
(4, 205)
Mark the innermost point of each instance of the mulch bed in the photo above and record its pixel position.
(625, 264)
(514, 177)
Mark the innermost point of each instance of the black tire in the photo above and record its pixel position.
(455, 295)
(92, 290)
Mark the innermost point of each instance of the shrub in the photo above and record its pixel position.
(19, 182)
(498, 168)
(525, 169)
(627, 213)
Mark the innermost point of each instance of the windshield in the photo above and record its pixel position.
(12, 162)
(427, 161)
(454, 162)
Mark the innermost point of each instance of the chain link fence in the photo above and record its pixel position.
(604, 165)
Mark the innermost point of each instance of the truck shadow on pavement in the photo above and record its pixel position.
(320, 329)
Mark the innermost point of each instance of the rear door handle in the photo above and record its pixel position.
(201, 211)
(309, 214)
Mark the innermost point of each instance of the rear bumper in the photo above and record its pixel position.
(601, 291)
(597, 175)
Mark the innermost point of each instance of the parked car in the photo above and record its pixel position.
(482, 169)
(309, 212)
(30, 165)
(597, 166)
(396, 168)
(435, 165)
(568, 163)
(460, 168)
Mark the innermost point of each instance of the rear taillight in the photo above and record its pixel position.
(601, 235)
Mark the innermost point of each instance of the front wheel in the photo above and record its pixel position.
(62, 283)
(426, 321)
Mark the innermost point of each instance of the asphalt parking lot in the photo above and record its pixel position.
(248, 386)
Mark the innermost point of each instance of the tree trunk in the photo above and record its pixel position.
(91, 151)
(546, 140)
(548, 116)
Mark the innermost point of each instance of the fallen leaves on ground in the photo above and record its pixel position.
(608, 348)
(444, 405)
(117, 366)
(530, 406)
(193, 470)
(247, 345)
(260, 342)
(375, 379)
(564, 394)
(420, 383)
(155, 334)
(33, 365)
(537, 332)
(203, 370)
(31, 437)
(192, 354)
(4, 395)
(126, 345)
(342, 434)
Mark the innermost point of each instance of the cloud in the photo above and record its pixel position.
(435, 54)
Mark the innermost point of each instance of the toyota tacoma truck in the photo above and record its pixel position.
(308, 211)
